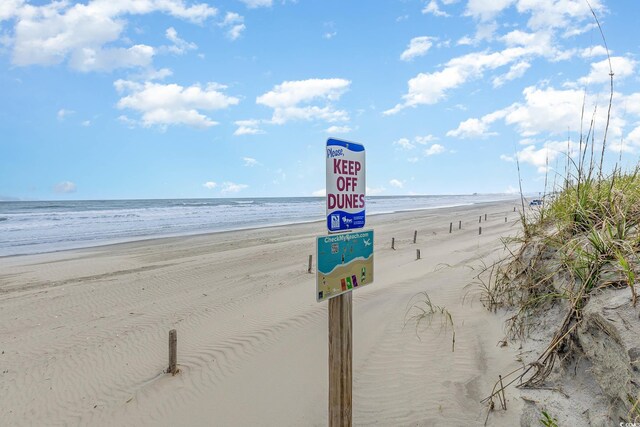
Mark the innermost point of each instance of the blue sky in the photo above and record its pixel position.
(108, 99)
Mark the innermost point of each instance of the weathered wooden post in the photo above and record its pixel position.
(173, 352)
(309, 269)
(450, 227)
(415, 236)
(417, 253)
(485, 217)
(393, 243)
(340, 362)
(459, 225)
(480, 219)
(505, 219)
(479, 230)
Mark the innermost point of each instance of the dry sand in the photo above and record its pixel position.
(83, 333)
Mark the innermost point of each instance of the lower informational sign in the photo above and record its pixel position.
(345, 263)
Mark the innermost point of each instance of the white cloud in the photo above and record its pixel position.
(250, 161)
(433, 8)
(622, 67)
(516, 71)
(58, 31)
(210, 185)
(593, 51)
(506, 158)
(65, 187)
(253, 4)
(88, 59)
(234, 23)
(329, 35)
(63, 113)
(630, 144)
(485, 10)
(478, 128)
(320, 193)
(86, 123)
(180, 46)
(287, 97)
(542, 157)
(231, 187)
(424, 140)
(338, 129)
(430, 88)
(434, 149)
(418, 46)
(172, 104)
(248, 127)
(404, 143)
(396, 183)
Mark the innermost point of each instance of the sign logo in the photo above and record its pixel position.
(346, 185)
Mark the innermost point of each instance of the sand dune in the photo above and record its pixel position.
(83, 334)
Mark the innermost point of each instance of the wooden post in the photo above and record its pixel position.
(415, 236)
(393, 243)
(459, 225)
(173, 352)
(505, 219)
(309, 269)
(485, 217)
(479, 230)
(514, 208)
(480, 219)
(340, 354)
(417, 253)
(450, 227)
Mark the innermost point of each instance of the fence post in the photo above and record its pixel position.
(173, 352)
(393, 243)
(417, 253)
(450, 227)
(309, 269)
(479, 230)
(459, 225)
(415, 235)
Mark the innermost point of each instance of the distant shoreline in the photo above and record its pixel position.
(39, 245)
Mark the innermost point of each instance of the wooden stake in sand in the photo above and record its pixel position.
(415, 236)
(450, 227)
(459, 225)
(340, 366)
(480, 219)
(393, 243)
(417, 253)
(485, 217)
(479, 230)
(309, 269)
(173, 352)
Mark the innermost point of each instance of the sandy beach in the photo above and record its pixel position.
(83, 333)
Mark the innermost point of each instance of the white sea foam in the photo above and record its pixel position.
(34, 227)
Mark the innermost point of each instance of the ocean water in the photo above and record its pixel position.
(41, 226)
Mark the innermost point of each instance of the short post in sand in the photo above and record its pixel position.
(393, 243)
(450, 227)
(479, 230)
(480, 219)
(417, 254)
(415, 236)
(309, 269)
(459, 225)
(485, 217)
(173, 352)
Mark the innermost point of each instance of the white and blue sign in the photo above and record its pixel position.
(346, 185)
